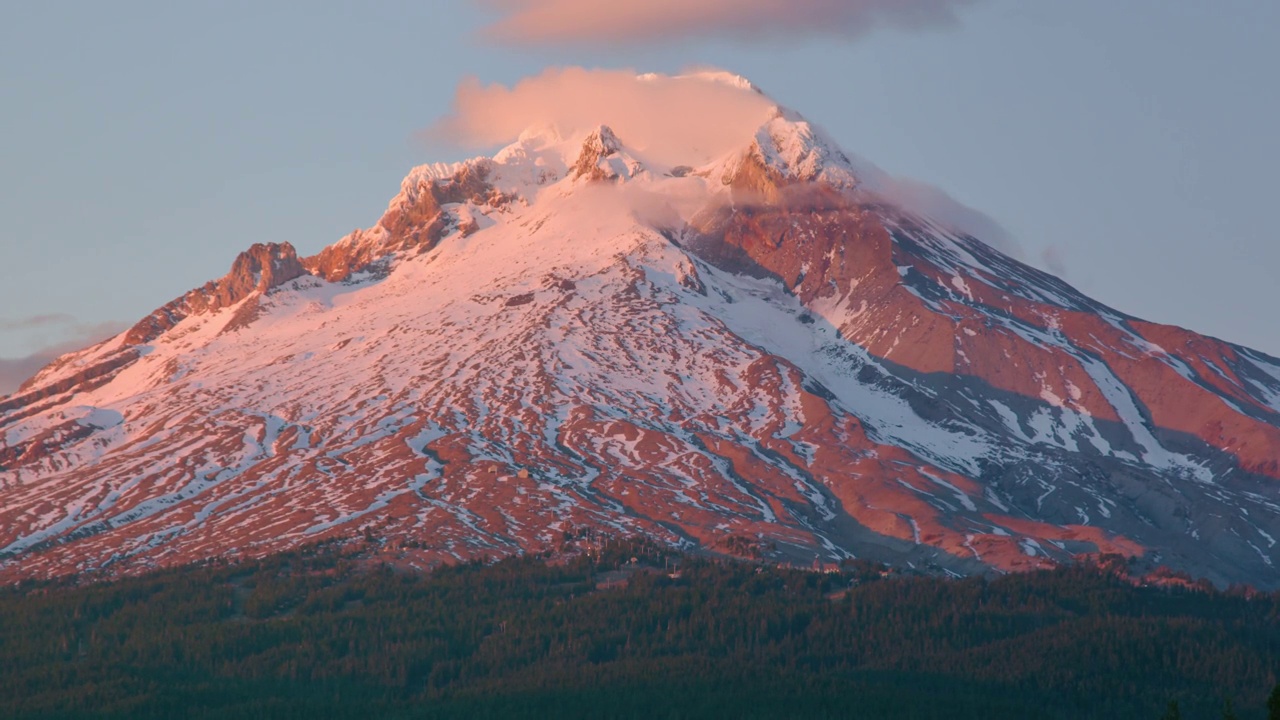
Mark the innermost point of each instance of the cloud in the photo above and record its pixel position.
(15, 371)
(36, 322)
(76, 336)
(1053, 261)
(669, 120)
(646, 21)
(936, 204)
(682, 120)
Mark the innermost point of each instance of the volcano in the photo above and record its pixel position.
(759, 354)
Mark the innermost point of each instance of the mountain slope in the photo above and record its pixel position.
(760, 355)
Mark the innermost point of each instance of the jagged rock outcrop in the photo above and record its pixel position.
(259, 269)
(593, 162)
(416, 219)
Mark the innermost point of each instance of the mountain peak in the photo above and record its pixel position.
(602, 141)
(603, 158)
(789, 149)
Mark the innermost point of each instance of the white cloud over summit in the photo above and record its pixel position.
(648, 21)
(670, 119)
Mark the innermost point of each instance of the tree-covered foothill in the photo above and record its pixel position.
(321, 634)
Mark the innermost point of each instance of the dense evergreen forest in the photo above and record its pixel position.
(320, 634)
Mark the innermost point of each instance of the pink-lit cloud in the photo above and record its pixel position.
(647, 21)
(669, 119)
(673, 120)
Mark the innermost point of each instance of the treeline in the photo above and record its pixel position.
(321, 634)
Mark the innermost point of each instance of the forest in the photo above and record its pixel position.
(629, 631)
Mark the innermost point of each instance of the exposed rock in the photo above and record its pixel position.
(599, 146)
(416, 219)
(815, 249)
(788, 153)
(355, 253)
(259, 269)
(244, 316)
(81, 380)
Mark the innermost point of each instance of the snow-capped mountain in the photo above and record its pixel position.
(758, 355)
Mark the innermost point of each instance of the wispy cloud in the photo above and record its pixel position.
(1054, 261)
(74, 336)
(649, 21)
(15, 371)
(672, 119)
(37, 322)
(936, 204)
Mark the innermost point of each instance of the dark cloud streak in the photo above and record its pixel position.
(36, 322)
(1053, 260)
(78, 336)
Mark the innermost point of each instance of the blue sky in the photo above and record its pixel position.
(1131, 146)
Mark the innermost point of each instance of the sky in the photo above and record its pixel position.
(1129, 147)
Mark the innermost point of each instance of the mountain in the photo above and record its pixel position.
(763, 355)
